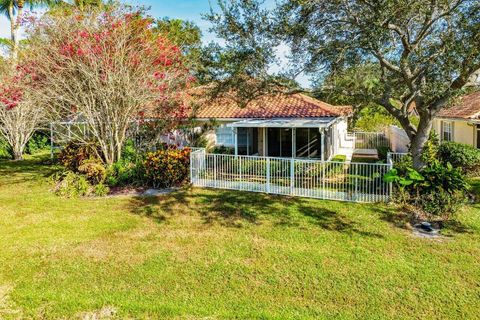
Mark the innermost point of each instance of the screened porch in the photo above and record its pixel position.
(313, 139)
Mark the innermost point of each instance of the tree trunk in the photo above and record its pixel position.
(13, 31)
(17, 153)
(418, 141)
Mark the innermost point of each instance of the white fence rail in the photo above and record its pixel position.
(357, 182)
(369, 140)
(396, 156)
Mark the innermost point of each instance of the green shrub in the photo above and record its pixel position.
(383, 153)
(167, 168)
(438, 190)
(339, 158)
(462, 156)
(70, 185)
(223, 150)
(101, 190)
(430, 149)
(123, 173)
(38, 142)
(5, 149)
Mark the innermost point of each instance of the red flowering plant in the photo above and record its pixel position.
(109, 68)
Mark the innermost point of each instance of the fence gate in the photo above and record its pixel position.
(358, 182)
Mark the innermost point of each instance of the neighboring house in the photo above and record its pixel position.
(279, 126)
(460, 122)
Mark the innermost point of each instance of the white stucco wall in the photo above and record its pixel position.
(343, 141)
(463, 131)
(399, 141)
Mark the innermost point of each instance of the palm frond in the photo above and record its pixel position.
(4, 42)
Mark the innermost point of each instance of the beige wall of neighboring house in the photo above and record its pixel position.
(462, 131)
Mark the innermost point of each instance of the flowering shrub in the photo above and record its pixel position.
(167, 168)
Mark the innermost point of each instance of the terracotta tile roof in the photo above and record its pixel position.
(467, 107)
(275, 106)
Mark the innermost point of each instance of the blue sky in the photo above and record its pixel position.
(190, 10)
(183, 9)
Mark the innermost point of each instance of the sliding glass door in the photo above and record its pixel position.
(279, 142)
(308, 143)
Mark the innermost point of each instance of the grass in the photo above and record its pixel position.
(219, 254)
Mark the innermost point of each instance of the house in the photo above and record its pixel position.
(279, 126)
(460, 122)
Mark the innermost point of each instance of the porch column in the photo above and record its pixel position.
(294, 141)
(265, 153)
(235, 132)
(322, 143)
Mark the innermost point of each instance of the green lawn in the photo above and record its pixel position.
(218, 254)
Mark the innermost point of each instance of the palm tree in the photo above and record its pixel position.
(82, 4)
(13, 9)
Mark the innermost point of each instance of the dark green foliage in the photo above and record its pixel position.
(382, 153)
(462, 156)
(397, 41)
(125, 173)
(38, 142)
(5, 149)
(223, 150)
(438, 190)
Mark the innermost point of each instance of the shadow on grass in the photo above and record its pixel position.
(26, 170)
(334, 221)
(238, 209)
(401, 218)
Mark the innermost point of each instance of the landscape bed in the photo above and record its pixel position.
(224, 254)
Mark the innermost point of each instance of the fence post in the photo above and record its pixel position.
(215, 170)
(292, 175)
(390, 184)
(268, 175)
(191, 167)
(323, 178)
(240, 170)
(356, 180)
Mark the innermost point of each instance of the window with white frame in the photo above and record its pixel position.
(225, 136)
(447, 131)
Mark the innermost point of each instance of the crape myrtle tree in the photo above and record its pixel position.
(426, 51)
(19, 117)
(109, 69)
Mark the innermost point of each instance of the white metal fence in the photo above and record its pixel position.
(358, 182)
(369, 140)
(396, 156)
